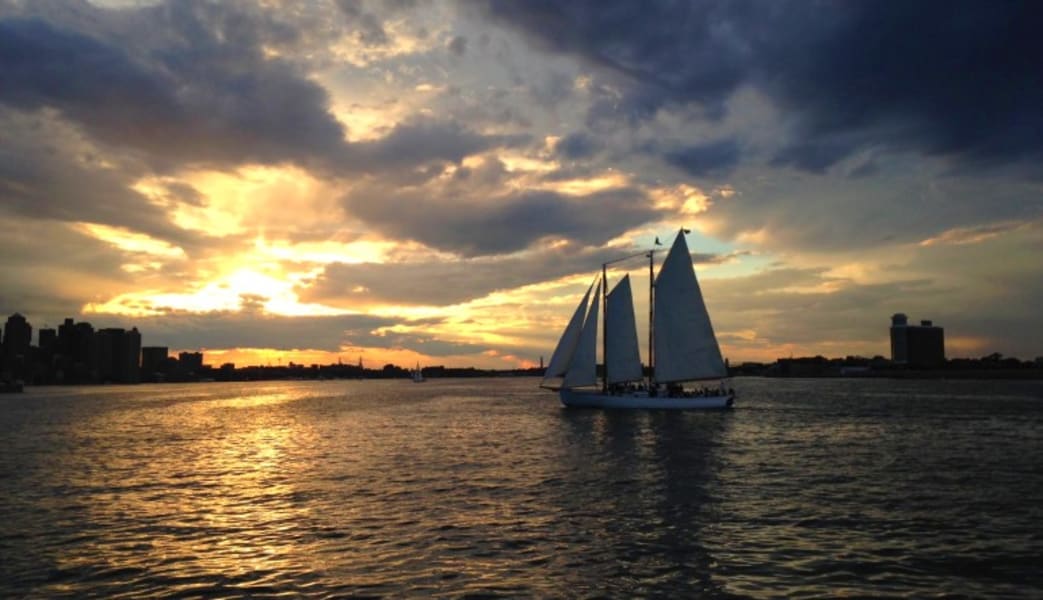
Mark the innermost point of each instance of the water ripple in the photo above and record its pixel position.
(484, 489)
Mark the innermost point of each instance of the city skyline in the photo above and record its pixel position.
(437, 182)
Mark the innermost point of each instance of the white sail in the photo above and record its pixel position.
(559, 361)
(583, 366)
(685, 346)
(623, 360)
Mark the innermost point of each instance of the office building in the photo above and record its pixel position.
(117, 355)
(154, 363)
(190, 362)
(18, 334)
(921, 346)
(48, 339)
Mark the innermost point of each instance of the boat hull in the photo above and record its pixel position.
(639, 400)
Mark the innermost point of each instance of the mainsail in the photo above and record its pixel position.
(622, 360)
(582, 368)
(685, 346)
(559, 361)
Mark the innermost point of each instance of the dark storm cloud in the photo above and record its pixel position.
(458, 45)
(500, 224)
(704, 159)
(956, 79)
(803, 211)
(576, 146)
(425, 141)
(369, 28)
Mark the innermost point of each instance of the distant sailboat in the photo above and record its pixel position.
(682, 344)
(418, 376)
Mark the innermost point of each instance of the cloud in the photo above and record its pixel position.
(423, 141)
(250, 330)
(909, 203)
(188, 98)
(977, 234)
(458, 45)
(955, 80)
(443, 283)
(48, 270)
(994, 293)
(223, 330)
(48, 172)
(702, 159)
(577, 146)
(370, 30)
(471, 225)
(194, 84)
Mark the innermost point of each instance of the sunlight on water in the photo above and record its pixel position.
(813, 488)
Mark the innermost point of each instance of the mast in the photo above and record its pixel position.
(651, 284)
(604, 321)
(651, 315)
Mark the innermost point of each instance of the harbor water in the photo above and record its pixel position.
(488, 487)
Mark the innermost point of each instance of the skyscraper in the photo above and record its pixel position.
(130, 360)
(118, 355)
(76, 351)
(18, 334)
(48, 339)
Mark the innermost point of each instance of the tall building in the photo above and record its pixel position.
(920, 345)
(45, 363)
(130, 359)
(48, 339)
(117, 355)
(191, 362)
(106, 342)
(18, 334)
(153, 362)
(75, 351)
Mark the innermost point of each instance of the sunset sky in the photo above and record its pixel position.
(438, 182)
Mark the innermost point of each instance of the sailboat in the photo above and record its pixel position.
(418, 375)
(682, 346)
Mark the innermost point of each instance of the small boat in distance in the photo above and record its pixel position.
(682, 346)
(418, 376)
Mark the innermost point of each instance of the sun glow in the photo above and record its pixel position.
(685, 199)
(583, 187)
(326, 252)
(253, 198)
(131, 242)
(245, 288)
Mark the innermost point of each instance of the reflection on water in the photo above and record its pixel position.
(488, 487)
(637, 490)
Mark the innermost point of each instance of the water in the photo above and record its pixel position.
(488, 488)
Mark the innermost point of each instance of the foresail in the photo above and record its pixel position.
(559, 361)
(623, 360)
(582, 368)
(685, 346)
